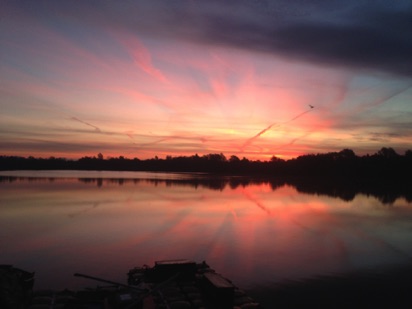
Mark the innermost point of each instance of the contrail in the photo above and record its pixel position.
(86, 123)
(152, 143)
(298, 116)
(390, 96)
(250, 140)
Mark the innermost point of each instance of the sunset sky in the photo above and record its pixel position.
(149, 78)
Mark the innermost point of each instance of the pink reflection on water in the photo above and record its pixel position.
(253, 234)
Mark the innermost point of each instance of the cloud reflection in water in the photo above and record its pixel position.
(256, 233)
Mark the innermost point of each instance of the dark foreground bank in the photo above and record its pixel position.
(185, 284)
(383, 288)
(171, 284)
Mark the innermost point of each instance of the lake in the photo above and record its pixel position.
(258, 233)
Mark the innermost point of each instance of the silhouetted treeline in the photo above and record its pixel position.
(386, 163)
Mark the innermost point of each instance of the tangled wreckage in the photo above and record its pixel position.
(170, 284)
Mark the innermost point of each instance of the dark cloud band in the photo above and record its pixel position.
(363, 34)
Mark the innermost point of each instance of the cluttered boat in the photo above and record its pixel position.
(171, 284)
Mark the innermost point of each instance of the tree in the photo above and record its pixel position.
(216, 157)
(234, 159)
(100, 156)
(387, 152)
(276, 159)
(347, 153)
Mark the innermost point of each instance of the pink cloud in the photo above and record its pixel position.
(141, 56)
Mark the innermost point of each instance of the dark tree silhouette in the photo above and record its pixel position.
(345, 164)
(387, 152)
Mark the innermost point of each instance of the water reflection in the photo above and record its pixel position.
(255, 231)
(386, 193)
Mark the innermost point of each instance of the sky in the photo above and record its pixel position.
(251, 78)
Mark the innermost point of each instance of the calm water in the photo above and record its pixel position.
(257, 234)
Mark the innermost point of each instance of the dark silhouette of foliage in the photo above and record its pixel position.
(345, 164)
(387, 153)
